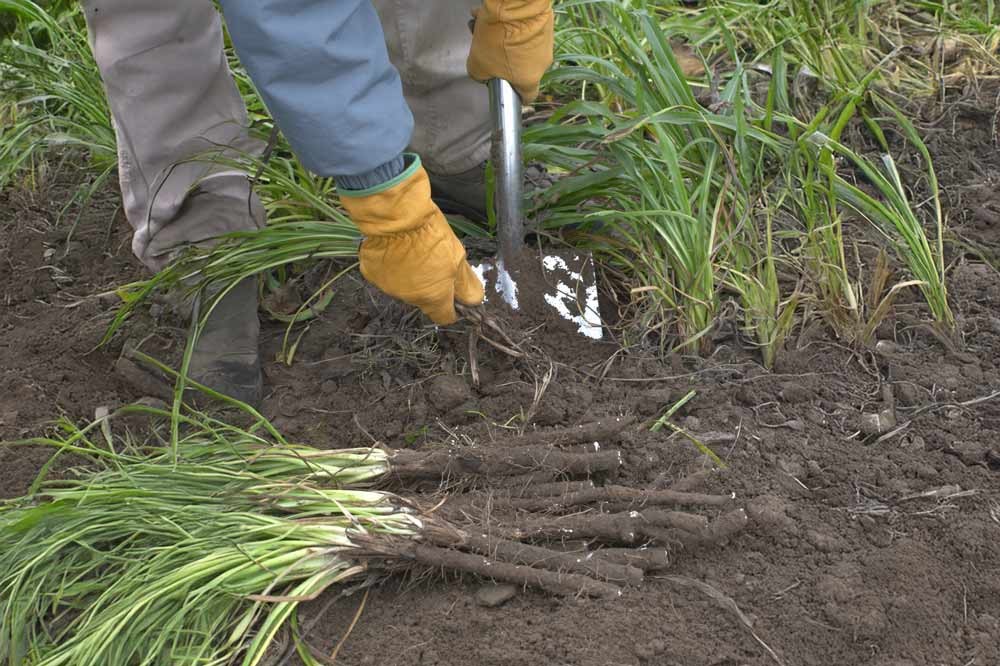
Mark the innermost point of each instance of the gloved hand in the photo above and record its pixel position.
(512, 40)
(409, 251)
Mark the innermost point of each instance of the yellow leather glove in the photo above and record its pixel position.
(512, 40)
(409, 251)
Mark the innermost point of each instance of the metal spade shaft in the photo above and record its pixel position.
(505, 108)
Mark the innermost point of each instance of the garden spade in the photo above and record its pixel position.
(558, 286)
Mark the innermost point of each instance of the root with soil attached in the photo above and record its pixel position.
(237, 529)
(460, 461)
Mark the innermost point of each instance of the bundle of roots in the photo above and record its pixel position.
(199, 548)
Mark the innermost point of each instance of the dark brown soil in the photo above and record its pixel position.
(862, 550)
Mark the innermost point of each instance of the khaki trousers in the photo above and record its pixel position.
(176, 110)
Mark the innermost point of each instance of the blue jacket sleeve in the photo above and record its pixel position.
(323, 71)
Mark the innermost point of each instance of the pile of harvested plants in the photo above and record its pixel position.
(197, 548)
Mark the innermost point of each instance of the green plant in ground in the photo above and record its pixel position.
(50, 95)
(748, 151)
(667, 180)
(731, 189)
(768, 316)
(894, 216)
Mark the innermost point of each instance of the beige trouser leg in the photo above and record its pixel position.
(428, 43)
(173, 101)
(175, 107)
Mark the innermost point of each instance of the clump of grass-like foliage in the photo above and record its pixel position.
(188, 554)
(725, 184)
(195, 542)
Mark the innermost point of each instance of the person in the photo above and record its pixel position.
(385, 96)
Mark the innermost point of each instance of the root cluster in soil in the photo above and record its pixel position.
(567, 537)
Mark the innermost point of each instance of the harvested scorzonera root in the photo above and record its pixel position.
(198, 550)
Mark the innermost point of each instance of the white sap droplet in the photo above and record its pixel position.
(506, 286)
(589, 321)
(480, 270)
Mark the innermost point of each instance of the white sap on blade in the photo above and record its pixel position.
(588, 318)
(503, 285)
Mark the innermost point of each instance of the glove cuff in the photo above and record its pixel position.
(377, 176)
(397, 206)
(411, 164)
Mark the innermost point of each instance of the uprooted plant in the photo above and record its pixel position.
(199, 549)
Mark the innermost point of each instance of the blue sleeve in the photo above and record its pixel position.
(323, 71)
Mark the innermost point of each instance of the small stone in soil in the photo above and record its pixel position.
(970, 453)
(650, 650)
(492, 596)
(448, 391)
(922, 470)
(907, 393)
(790, 484)
(886, 347)
(877, 424)
(691, 423)
(825, 543)
(793, 467)
(768, 511)
(796, 393)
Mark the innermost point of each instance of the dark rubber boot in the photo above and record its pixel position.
(461, 193)
(226, 356)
